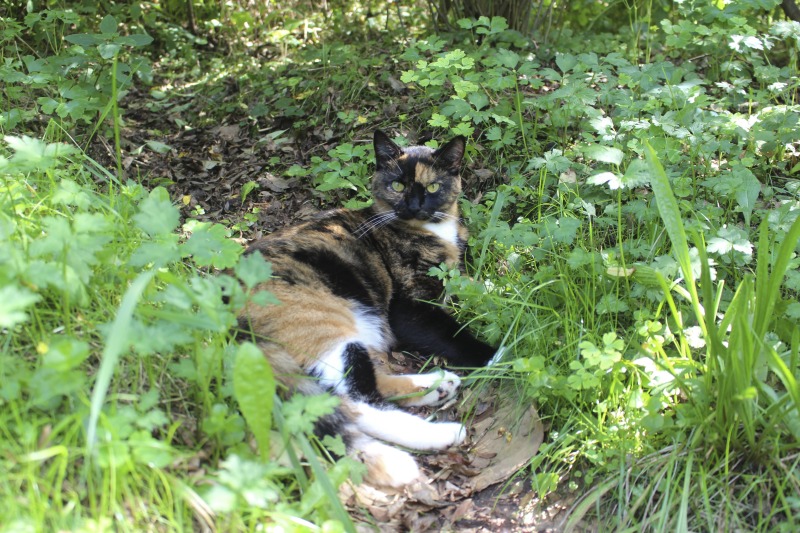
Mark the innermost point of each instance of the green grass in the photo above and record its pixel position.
(634, 248)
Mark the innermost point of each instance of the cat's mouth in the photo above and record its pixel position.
(422, 216)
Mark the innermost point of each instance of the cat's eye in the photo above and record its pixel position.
(433, 187)
(397, 186)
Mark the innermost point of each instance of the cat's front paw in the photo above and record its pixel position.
(435, 388)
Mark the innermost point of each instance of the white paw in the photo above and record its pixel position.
(442, 435)
(387, 466)
(441, 387)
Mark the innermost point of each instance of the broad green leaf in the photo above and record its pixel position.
(34, 154)
(747, 192)
(157, 215)
(159, 251)
(254, 388)
(636, 175)
(604, 154)
(137, 39)
(158, 146)
(108, 50)
(566, 62)
(611, 179)
(108, 24)
(83, 39)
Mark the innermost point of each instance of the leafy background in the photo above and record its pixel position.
(632, 196)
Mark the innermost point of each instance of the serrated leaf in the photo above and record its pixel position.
(438, 121)
(209, 245)
(637, 174)
(65, 354)
(13, 301)
(34, 154)
(253, 269)
(254, 389)
(157, 215)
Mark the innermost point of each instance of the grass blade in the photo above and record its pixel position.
(115, 344)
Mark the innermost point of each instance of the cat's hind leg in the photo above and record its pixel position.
(416, 390)
(398, 427)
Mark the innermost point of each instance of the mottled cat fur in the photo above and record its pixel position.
(354, 285)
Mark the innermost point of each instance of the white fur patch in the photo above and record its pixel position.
(386, 466)
(407, 430)
(330, 368)
(370, 330)
(446, 230)
(442, 384)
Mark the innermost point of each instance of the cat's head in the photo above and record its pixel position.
(417, 183)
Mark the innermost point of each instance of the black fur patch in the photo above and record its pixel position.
(332, 425)
(360, 373)
(344, 279)
(430, 330)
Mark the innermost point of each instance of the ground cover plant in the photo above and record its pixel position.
(632, 194)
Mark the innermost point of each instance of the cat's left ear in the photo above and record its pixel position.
(450, 155)
(386, 150)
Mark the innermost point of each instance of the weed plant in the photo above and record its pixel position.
(634, 246)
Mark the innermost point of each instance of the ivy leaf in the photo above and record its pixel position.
(254, 388)
(210, 246)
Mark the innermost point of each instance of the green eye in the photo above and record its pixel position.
(397, 186)
(433, 187)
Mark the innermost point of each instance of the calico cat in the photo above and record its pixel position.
(354, 284)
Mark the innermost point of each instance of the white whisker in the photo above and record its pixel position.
(372, 223)
(440, 215)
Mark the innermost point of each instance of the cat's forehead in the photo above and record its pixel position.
(417, 163)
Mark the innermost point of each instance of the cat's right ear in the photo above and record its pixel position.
(386, 151)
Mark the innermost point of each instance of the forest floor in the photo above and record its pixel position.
(205, 169)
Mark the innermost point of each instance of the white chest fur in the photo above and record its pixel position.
(446, 230)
